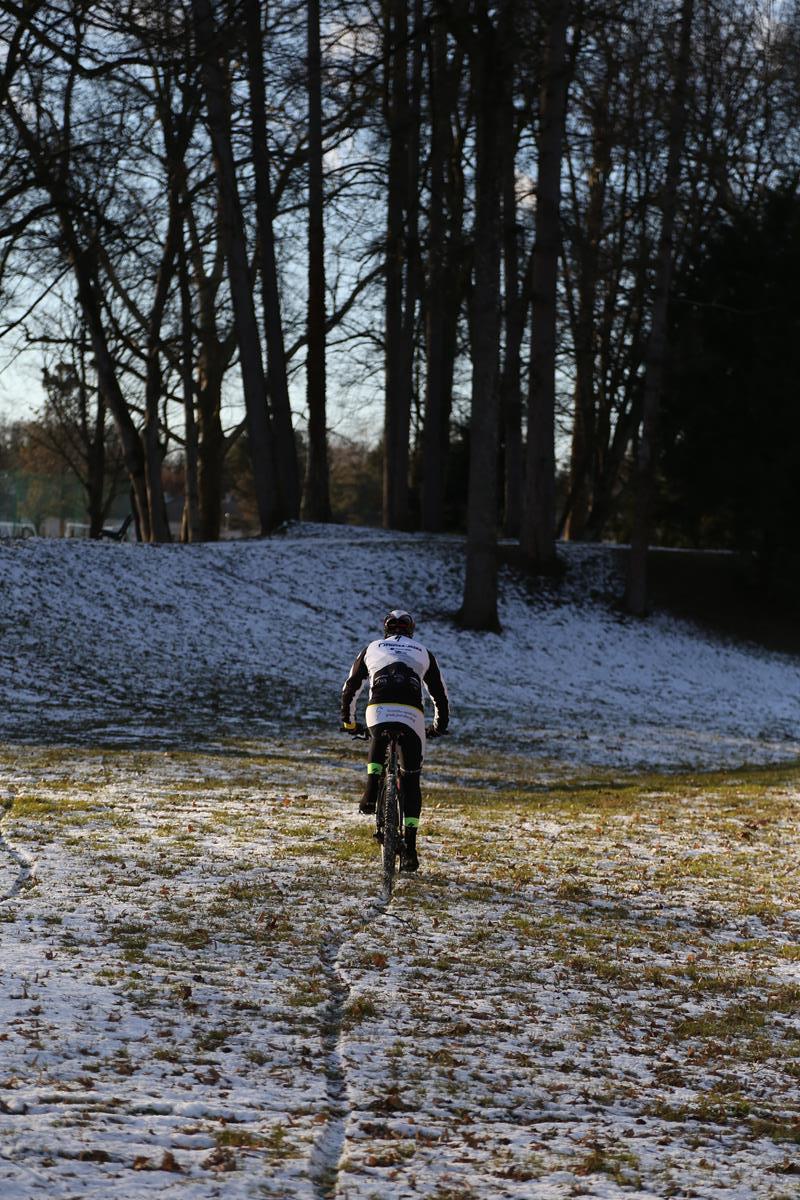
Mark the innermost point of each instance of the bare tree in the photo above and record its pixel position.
(261, 439)
(73, 427)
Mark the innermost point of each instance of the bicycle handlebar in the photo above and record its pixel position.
(360, 732)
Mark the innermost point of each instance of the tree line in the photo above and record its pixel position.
(490, 213)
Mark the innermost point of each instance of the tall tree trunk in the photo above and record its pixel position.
(432, 507)
(398, 392)
(190, 528)
(111, 393)
(213, 357)
(316, 494)
(443, 287)
(210, 448)
(159, 526)
(96, 464)
(583, 457)
(277, 379)
(636, 591)
(515, 307)
(538, 532)
(413, 259)
(479, 609)
(259, 428)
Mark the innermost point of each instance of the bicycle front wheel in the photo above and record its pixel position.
(391, 831)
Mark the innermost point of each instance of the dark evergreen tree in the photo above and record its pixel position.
(730, 463)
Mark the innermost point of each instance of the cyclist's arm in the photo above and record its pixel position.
(434, 682)
(352, 686)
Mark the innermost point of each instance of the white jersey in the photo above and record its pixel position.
(397, 668)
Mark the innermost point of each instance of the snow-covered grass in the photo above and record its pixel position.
(178, 646)
(591, 989)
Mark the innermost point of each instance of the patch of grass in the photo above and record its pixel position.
(713, 1107)
(170, 1054)
(44, 805)
(213, 1039)
(620, 1165)
(573, 889)
(393, 1155)
(446, 1191)
(193, 938)
(736, 1021)
(776, 1130)
(359, 848)
(361, 1007)
(307, 993)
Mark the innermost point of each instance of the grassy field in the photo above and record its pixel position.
(592, 988)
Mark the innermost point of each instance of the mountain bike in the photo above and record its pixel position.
(389, 811)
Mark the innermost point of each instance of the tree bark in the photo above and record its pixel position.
(436, 403)
(479, 609)
(538, 531)
(210, 449)
(232, 230)
(88, 296)
(277, 379)
(515, 308)
(413, 263)
(444, 291)
(159, 525)
(316, 493)
(636, 591)
(95, 462)
(190, 525)
(397, 416)
(213, 357)
(583, 458)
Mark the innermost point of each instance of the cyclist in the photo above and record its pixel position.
(397, 666)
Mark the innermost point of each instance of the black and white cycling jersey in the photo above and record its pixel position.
(397, 667)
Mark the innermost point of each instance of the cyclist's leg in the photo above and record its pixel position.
(377, 750)
(410, 770)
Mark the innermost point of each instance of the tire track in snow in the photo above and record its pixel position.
(326, 1152)
(24, 868)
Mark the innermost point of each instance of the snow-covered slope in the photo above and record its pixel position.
(175, 645)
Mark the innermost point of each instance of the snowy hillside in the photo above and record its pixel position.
(591, 988)
(173, 645)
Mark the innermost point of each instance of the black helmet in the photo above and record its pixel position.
(398, 621)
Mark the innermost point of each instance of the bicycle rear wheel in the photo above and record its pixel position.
(390, 820)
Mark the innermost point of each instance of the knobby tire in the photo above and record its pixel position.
(390, 820)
